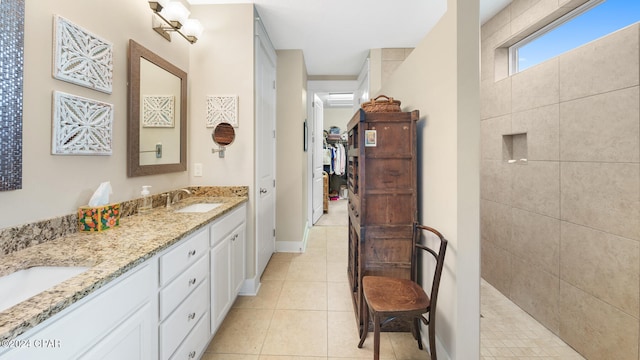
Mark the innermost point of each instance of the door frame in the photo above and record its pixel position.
(314, 87)
(316, 132)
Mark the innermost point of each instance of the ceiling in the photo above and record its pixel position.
(336, 35)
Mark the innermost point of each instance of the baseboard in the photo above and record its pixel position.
(294, 246)
(250, 287)
(441, 352)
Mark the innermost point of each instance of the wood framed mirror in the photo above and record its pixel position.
(157, 119)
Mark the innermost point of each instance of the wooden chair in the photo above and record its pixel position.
(388, 298)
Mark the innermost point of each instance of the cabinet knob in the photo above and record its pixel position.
(192, 252)
(191, 316)
(192, 281)
(263, 191)
(192, 354)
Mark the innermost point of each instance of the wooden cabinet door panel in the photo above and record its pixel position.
(389, 209)
(390, 174)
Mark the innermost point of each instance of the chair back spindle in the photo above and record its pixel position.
(387, 298)
(419, 240)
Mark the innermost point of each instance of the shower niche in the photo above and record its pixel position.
(514, 148)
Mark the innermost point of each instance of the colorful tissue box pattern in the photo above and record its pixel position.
(98, 218)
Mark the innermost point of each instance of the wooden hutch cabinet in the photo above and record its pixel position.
(382, 184)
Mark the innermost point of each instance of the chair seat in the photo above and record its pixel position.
(389, 295)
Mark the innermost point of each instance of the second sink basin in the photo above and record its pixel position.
(23, 284)
(199, 208)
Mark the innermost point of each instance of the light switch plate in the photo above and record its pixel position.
(197, 169)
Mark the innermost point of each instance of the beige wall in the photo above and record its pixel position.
(382, 64)
(560, 235)
(336, 117)
(445, 89)
(57, 185)
(291, 166)
(222, 63)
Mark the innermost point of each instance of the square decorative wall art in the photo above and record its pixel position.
(222, 108)
(81, 57)
(158, 111)
(81, 126)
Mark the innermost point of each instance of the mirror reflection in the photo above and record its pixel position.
(159, 132)
(157, 123)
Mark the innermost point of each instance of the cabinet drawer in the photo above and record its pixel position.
(221, 228)
(182, 286)
(182, 256)
(180, 322)
(193, 346)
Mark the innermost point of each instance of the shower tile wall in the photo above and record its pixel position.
(561, 232)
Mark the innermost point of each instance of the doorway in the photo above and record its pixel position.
(336, 99)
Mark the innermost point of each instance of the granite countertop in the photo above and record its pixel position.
(108, 254)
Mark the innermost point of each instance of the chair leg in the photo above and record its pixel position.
(432, 339)
(365, 324)
(376, 337)
(416, 332)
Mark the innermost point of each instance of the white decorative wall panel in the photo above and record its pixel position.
(222, 108)
(81, 126)
(158, 111)
(81, 57)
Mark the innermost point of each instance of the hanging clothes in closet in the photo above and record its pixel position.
(335, 161)
(339, 159)
(335, 156)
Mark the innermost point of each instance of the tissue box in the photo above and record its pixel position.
(98, 218)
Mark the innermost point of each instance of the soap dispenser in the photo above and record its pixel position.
(147, 204)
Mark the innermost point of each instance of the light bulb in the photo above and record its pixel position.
(192, 27)
(175, 11)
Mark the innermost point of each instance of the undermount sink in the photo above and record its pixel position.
(23, 284)
(199, 208)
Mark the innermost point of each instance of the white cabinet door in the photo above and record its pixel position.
(121, 317)
(129, 340)
(237, 260)
(220, 283)
(227, 263)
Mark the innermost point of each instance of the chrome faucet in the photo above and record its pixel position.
(172, 200)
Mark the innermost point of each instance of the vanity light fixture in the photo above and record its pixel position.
(175, 17)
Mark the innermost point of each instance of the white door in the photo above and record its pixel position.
(318, 165)
(265, 148)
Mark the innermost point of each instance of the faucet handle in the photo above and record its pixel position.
(168, 196)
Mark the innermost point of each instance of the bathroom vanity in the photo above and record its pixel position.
(156, 287)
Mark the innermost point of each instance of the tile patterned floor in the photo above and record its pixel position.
(508, 332)
(304, 312)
